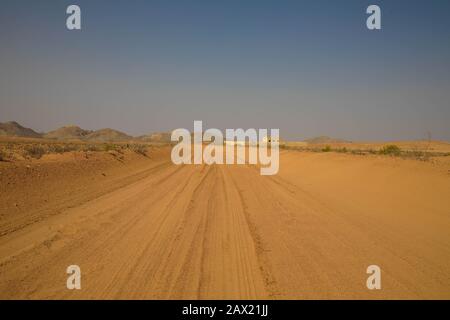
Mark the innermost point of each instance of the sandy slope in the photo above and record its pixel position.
(228, 232)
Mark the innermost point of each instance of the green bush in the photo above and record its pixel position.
(391, 150)
(326, 149)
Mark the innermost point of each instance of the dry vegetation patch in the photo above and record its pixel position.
(392, 150)
(20, 149)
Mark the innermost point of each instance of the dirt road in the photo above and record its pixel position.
(213, 232)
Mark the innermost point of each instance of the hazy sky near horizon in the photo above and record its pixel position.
(308, 68)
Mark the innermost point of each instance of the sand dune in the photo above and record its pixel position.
(145, 228)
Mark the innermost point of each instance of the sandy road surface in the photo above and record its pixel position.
(227, 232)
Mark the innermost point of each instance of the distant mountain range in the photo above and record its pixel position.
(13, 129)
(156, 137)
(325, 139)
(67, 133)
(72, 132)
(105, 135)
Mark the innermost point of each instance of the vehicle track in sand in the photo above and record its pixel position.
(216, 232)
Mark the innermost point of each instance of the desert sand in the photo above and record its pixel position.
(142, 228)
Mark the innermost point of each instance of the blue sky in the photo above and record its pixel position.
(307, 67)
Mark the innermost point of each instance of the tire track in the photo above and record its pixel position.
(260, 250)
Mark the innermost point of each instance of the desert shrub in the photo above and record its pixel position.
(91, 147)
(391, 150)
(342, 150)
(326, 149)
(33, 151)
(61, 148)
(55, 148)
(139, 149)
(357, 152)
(418, 155)
(111, 147)
(70, 147)
(2, 155)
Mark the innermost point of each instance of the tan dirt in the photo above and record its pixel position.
(144, 228)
